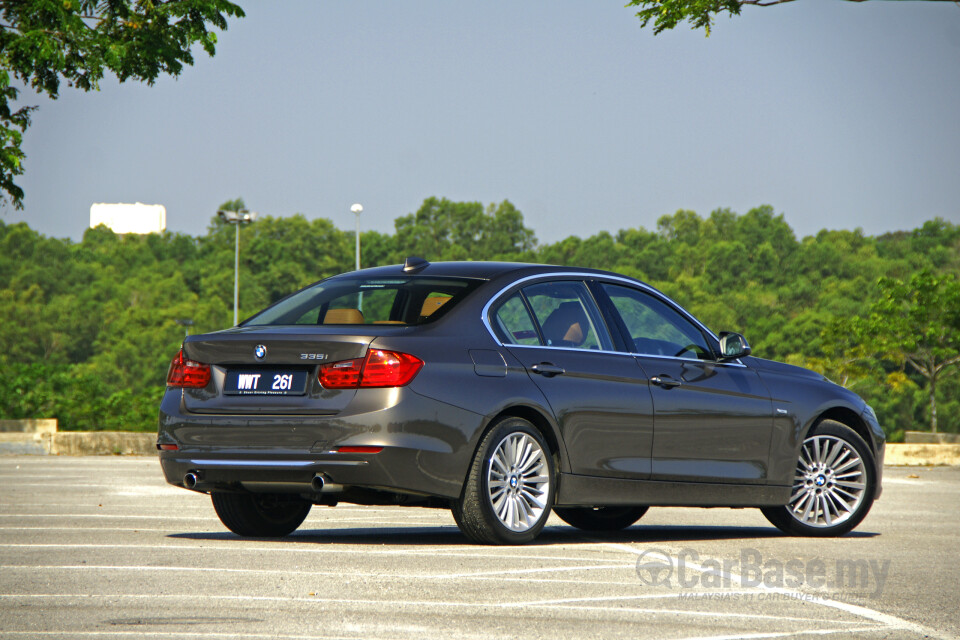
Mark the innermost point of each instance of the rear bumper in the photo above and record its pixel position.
(426, 456)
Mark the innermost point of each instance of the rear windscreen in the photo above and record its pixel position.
(408, 300)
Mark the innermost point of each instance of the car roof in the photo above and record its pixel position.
(467, 269)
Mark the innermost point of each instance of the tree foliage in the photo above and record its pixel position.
(918, 323)
(46, 42)
(667, 14)
(89, 327)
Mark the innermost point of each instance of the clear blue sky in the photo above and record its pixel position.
(838, 114)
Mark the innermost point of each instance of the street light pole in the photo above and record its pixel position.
(357, 210)
(236, 274)
(237, 218)
(186, 323)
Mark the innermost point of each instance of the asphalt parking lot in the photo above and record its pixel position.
(102, 547)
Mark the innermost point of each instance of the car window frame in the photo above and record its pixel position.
(591, 279)
(597, 315)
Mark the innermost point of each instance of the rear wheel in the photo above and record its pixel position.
(833, 486)
(260, 515)
(600, 518)
(509, 488)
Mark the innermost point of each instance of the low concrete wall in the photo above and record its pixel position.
(24, 443)
(925, 437)
(29, 426)
(922, 455)
(99, 443)
(79, 443)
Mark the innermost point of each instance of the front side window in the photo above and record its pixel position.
(655, 328)
(408, 300)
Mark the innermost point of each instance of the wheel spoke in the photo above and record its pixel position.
(849, 464)
(829, 484)
(517, 482)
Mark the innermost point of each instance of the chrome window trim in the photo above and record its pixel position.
(485, 314)
(732, 363)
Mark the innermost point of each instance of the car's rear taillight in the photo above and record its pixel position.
(389, 368)
(341, 375)
(380, 368)
(187, 373)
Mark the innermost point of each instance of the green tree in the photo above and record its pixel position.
(918, 323)
(667, 14)
(45, 42)
(446, 230)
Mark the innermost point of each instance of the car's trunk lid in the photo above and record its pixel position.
(259, 370)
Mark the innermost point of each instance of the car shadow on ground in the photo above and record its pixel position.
(552, 535)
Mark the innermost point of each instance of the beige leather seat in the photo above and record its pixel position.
(343, 316)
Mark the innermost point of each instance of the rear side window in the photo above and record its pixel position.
(514, 323)
(408, 300)
(563, 315)
(567, 315)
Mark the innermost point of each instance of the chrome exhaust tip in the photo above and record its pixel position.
(190, 480)
(317, 483)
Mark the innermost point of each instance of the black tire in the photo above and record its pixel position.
(523, 494)
(843, 504)
(260, 515)
(600, 518)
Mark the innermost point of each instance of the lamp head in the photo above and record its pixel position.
(357, 208)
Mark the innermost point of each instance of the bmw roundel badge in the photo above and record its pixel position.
(260, 352)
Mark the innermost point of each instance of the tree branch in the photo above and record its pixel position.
(925, 372)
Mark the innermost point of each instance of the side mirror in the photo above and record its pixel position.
(733, 346)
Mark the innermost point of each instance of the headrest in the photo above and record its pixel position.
(431, 304)
(566, 324)
(343, 316)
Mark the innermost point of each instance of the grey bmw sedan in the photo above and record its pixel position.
(505, 392)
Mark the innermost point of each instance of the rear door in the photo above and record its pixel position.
(712, 421)
(599, 397)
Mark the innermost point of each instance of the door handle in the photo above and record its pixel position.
(665, 381)
(547, 369)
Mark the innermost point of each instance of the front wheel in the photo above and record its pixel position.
(600, 518)
(260, 515)
(509, 489)
(833, 486)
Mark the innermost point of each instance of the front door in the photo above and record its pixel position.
(712, 421)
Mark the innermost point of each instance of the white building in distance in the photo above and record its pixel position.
(129, 218)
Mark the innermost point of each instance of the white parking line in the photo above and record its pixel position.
(793, 634)
(104, 515)
(301, 547)
(167, 634)
(86, 529)
(890, 621)
(429, 603)
(288, 572)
